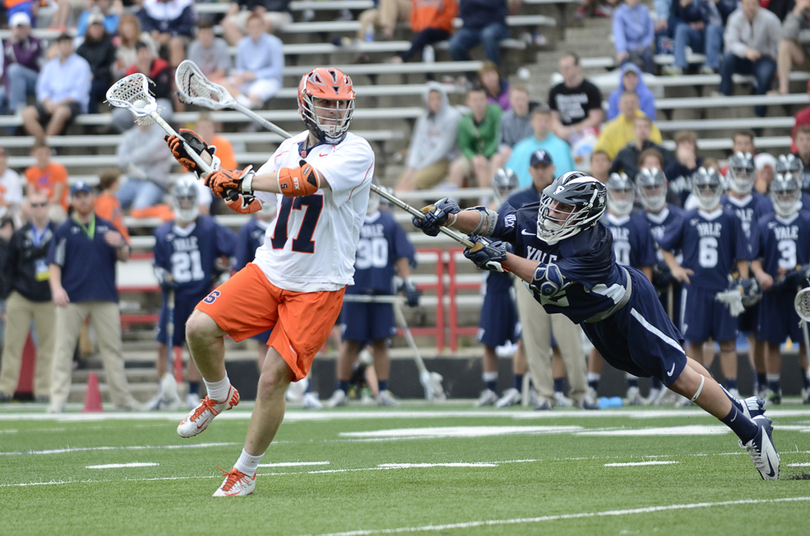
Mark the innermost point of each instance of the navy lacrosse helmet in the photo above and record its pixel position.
(185, 198)
(786, 194)
(578, 192)
(788, 163)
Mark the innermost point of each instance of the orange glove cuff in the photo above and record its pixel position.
(298, 182)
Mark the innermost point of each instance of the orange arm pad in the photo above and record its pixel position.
(298, 182)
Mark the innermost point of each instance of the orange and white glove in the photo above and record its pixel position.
(299, 181)
(193, 141)
(222, 181)
(242, 203)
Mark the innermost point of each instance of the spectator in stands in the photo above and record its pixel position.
(600, 166)
(158, 70)
(431, 22)
(496, 86)
(576, 104)
(23, 56)
(207, 129)
(10, 188)
(621, 131)
(751, 39)
(129, 33)
(478, 140)
(146, 160)
(63, 91)
(483, 21)
(515, 125)
(99, 52)
(109, 11)
(384, 16)
(626, 160)
(633, 35)
(765, 166)
(81, 241)
(791, 50)
(679, 173)
(210, 52)
(259, 66)
(107, 204)
(6, 232)
(434, 142)
(171, 25)
(542, 138)
(28, 298)
(49, 177)
(699, 26)
(803, 154)
(632, 80)
(276, 14)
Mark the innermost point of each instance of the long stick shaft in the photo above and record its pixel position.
(261, 120)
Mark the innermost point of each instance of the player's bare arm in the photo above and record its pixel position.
(678, 272)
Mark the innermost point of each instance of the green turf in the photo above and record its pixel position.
(550, 483)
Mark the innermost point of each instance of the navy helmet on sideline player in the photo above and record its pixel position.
(786, 194)
(620, 194)
(741, 173)
(788, 163)
(707, 187)
(585, 194)
(185, 199)
(651, 186)
(504, 182)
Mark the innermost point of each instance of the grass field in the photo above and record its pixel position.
(444, 469)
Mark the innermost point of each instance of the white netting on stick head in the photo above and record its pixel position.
(132, 93)
(195, 88)
(802, 304)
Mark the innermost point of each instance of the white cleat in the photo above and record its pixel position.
(510, 398)
(652, 397)
(562, 401)
(200, 417)
(762, 450)
(385, 398)
(237, 484)
(634, 397)
(487, 398)
(310, 401)
(337, 399)
(735, 393)
(806, 396)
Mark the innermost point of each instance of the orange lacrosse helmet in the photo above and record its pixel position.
(328, 124)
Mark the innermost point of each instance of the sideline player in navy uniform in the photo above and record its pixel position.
(781, 266)
(565, 255)
(188, 253)
(383, 263)
(713, 244)
(632, 246)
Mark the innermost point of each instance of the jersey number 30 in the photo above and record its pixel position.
(312, 206)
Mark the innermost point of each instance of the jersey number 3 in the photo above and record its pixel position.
(312, 206)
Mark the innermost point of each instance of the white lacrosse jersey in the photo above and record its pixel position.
(312, 242)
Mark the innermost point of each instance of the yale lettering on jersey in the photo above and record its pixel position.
(786, 233)
(657, 232)
(621, 234)
(186, 244)
(746, 216)
(534, 254)
(708, 228)
(372, 230)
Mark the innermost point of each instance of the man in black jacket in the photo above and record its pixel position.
(626, 160)
(28, 295)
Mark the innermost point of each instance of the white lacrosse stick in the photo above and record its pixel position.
(802, 304)
(194, 88)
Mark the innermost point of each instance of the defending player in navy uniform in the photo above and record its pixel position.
(713, 244)
(382, 267)
(749, 206)
(651, 187)
(782, 266)
(499, 320)
(789, 163)
(187, 259)
(566, 256)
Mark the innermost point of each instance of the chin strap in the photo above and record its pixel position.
(700, 388)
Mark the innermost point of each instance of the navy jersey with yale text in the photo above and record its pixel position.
(632, 242)
(711, 244)
(784, 243)
(382, 242)
(749, 209)
(250, 238)
(595, 282)
(662, 222)
(190, 253)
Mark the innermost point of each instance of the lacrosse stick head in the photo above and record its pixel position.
(132, 93)
(194, 88)
(802, 304)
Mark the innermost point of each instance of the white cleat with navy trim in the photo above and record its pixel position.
(762, 451)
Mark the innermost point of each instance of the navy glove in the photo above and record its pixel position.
(488, 254)
(662, 276)
(751, 293)
(436, 216)
(408, 287)
(791, 280)
(164, 279)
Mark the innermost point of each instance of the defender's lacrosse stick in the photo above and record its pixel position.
(431, 381)
(194, 88)
(802, 305)
(175, 353)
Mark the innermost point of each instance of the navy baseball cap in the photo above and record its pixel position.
(80, 186)
(540, 157)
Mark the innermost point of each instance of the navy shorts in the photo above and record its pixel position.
(366, 322)
(183, 307)
(499, 319)
(748, 321)
(778, 319)
(676, 304)
(640, 338)
(703, 317)
(264, 336)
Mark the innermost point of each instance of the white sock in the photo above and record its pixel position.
(218, 390)
(594, 377)
(490, 376)
(247, 463)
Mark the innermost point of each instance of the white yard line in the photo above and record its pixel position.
(122, 465)
(291, 464)
(543, 519)
(803, 464)
(635, 464)
(133, 447)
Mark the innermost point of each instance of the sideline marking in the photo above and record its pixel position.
(120, 465)
(803, 464)
(459, 431)
(634, 464)
(291, 464)
(420, 465)
(136, 447)
(541, 519)
(689, 430)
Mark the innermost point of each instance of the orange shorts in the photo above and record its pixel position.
(247, 304)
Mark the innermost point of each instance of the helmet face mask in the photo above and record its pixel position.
(573, 202)
(326, 104)
(620, 194)
(741, 173)
(786, 194)
(504, 182)
(651, 186)
(185, 199)
(790, 164)
(707, 188)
